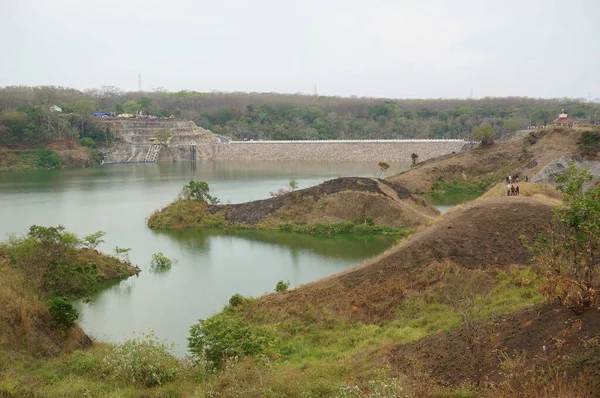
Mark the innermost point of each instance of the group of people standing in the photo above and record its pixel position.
(511, 189)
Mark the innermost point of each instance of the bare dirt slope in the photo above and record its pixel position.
(508, 347)
(482, 234)
(502, 158)
(337, 200)
(71, 153)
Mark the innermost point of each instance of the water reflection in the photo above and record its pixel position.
(341, 246)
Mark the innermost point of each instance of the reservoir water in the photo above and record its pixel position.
(210, 266)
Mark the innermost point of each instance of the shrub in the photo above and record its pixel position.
(160, 262)
(198, 190)
(569, 255)
(485, 134)
(47, 159)
(142, 360)
(293, 184)
(70, 280)
(282, 286)
(87, 142)
(589, 142)
(224, 336)
(62, 311)
(236, 300)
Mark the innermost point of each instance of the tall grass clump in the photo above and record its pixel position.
(143, 360)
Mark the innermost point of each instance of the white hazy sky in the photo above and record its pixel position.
(388, 48)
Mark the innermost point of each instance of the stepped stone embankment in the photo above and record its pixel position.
(392, 151)
(133, 139)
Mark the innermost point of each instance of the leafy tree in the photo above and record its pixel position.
(512, 124)
(485, 134)
(131, 107)
(119, 108)
(198, 190)
(84, 107)
(414, 158)
(145, 102)
(293, 184)
(164, 136)
(92, 241)
(383, 166)
(570, 254)
(15, 123)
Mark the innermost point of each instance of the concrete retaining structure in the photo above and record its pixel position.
(390, 151)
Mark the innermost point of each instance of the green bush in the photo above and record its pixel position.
(224, 336)
(160, 262)
(47, 159)
(70, 280)
(236, 300)
(62, 311)
(87, 142)
(282, 286)
(97, 156)
(143, 360)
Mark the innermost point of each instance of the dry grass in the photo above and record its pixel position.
(350, 206)
(25, 323)
(496, 161)
(543, 192)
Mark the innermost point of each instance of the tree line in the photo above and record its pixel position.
(27, 116)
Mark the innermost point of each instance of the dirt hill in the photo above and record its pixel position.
(510, 348)
(340, 199)
(482, 234)
(490, 164)
(352, 199)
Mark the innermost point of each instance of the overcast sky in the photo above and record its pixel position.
(387, 48)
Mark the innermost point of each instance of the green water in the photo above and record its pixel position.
(445, 202)
(210, 266)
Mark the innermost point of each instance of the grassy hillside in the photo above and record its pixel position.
(478, 169)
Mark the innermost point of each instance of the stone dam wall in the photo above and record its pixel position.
(390, 151)
(134, 140)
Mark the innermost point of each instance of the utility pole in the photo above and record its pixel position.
(139, 82)
(315, 90)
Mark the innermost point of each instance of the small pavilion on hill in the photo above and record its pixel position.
(563, 120)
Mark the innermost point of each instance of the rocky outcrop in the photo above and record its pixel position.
(558, 167)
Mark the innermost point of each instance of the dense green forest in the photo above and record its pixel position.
(27, 117)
